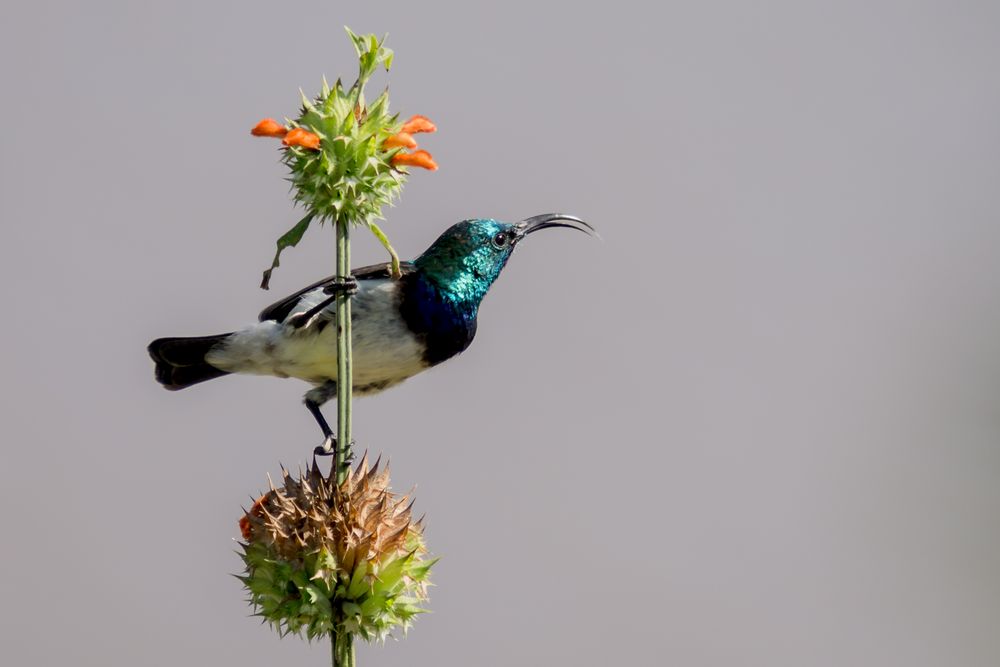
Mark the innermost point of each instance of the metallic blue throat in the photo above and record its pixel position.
(443, 320)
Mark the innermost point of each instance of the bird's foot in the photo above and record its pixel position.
(347, 285)
(328, 448)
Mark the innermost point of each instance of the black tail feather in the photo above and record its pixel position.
(180, 362)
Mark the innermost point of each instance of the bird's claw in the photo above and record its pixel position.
(346, 285)
(328, 448)
(342, 285)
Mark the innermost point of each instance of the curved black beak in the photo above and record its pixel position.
(546, 220)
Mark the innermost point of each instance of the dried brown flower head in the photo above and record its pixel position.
(321, 557)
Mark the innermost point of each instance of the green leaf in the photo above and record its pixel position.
(376, 112)
(306, 102)
(373, 605)
(359, 584)
(327, 560)
(356, 40)
(289, 239)
(384, 240)
(419, 571)
(299, 579)
(388, 576)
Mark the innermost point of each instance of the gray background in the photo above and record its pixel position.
(757, 425)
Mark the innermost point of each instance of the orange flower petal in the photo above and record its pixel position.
(269, 128)
(303, 138)
(245, 527)
(421, 159)
(418, 124)
(401, 139)
(245, 519)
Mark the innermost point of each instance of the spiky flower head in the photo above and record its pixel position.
(347, 158)
(324, 558)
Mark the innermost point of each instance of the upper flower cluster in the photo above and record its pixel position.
(348, 158)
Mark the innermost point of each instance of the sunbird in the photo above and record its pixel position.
(400, 326)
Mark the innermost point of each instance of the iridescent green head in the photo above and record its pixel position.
(465, 260)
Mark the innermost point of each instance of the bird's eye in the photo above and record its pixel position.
(500, 240)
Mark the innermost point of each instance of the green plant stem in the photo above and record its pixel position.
(342, 650)
(344, 366)
(342, 646)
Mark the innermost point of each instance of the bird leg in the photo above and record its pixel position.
(313, 400)
(329, 446)
(348, 286)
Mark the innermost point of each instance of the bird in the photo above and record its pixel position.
(401, 326)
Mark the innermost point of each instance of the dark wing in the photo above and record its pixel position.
(279, 310)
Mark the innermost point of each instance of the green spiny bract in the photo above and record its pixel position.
(322, 558)
(350, 177)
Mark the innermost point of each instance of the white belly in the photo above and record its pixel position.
(385, 352)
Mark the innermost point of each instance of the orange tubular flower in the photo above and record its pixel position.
(269, 128)
(405, 139)
(303, 138)
(257, 510)
(402, 139)
(417, 124)
(421, 159)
